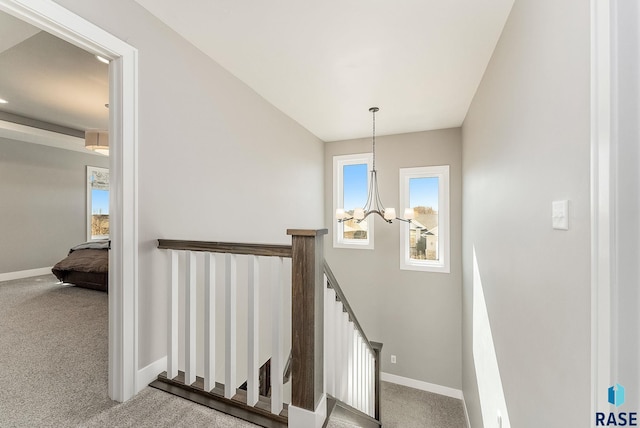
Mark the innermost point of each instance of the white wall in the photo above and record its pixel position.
(526, 143)
(43, 208)
(416, 315)
(216, 161)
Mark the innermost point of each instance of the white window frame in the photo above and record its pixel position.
(442, 265)
(90, 171)
(339, 162)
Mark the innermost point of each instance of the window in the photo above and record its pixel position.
(424, 243)
(97, 203)
(350, 188)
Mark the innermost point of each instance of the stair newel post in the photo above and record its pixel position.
(308, 398)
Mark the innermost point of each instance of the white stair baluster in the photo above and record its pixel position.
(209, 321)
(363, 378)
(350, 364)
(372, 391)
(277, 369)
(337, 315)
(358, 371)
(344, 322)
(366, 380)
(230, 275)
(253, 367)
(190, 322)
(365, 397)
(325, 342)
(363, 368)
(329, 352)
(172, 338)
(356, 367)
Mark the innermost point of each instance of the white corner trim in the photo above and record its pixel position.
(150, 373)
(466, 412)
(301, 418)
(10, 276)
(424, 386)
(602, 204)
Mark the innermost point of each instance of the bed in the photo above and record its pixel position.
(86, 265)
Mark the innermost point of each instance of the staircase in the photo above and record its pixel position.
(331, 365)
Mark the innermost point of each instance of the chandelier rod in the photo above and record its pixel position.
(373, 110)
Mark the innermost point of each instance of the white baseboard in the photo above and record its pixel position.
(424, 386)
(150, 373)
(10, 276)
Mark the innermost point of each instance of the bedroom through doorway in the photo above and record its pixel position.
(54, 187)
(51, 18)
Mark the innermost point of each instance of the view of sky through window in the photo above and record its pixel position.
(423, 192)
(99, 201)
(355, 186)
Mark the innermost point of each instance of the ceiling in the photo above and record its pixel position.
(323, 63)
(45, 78)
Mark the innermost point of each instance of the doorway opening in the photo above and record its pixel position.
(123, 263)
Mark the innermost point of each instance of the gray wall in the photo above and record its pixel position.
(216, 161)
(626, 155)
(43, 203)
(416, 315)
(526, 143)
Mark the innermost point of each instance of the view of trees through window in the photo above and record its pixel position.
(99, 214)
(98, 202)
(423, 232)
(355, 178)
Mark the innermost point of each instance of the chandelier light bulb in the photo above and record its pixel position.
(409, 214)
(389, 213)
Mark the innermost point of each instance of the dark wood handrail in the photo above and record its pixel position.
(269, 250)
(333, 283)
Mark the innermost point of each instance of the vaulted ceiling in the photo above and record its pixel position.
(323, 64)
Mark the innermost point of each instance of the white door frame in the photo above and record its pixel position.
(123, 129)
(602, 207)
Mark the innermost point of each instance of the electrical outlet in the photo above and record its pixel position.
(393, 359)
(499, 419)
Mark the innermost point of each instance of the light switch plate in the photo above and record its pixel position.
(560, 215)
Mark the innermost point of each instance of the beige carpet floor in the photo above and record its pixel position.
(53, 365)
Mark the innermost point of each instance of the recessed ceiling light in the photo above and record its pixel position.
(3, 101)
(102, 59)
